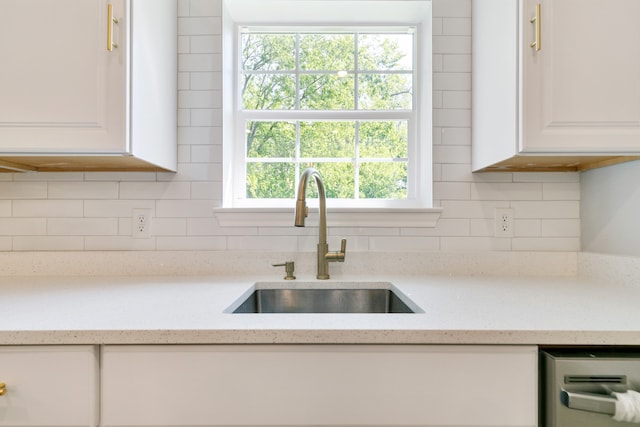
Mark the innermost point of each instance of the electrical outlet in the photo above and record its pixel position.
(504, 222)
(141, 223)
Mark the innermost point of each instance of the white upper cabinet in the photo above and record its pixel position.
(556, 84)
(68, 102)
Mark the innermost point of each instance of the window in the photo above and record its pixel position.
(342, 86)
(339, 101)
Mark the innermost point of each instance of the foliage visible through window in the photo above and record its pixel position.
(341, 102)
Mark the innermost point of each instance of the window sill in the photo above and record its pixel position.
(336, 217)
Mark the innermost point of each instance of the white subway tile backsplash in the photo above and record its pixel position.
(184, 208)
(184, 6)
(184, 117)
(436, 99)
(505, 191)
(456, 63)
(168, 226)
(205, 7)
(5, 208)
(197, 135)
(404, 244)
(474, 244)
(115, 208)
(206, 44)
(561, 191)
(118, 243)
(452, 81)
(191, 243)
(452, 45)
(560, 244)
(199, 62)
(457, 136)
(48, 243)
(23, 226)
(456, 173)
(472, 209)
(456, 99)
(527, 228)
(199, 99)
(452, 8)
(155, 190)
(6, 243)
(120, 176)
(206, 153)
(546, 209)
(452, 190)
(445, 227)
(362, 231)
(198, 172)
(210, 227)
(560, 227)
(23, 190)
(204, 81)
(44, 176)
(456, 26)
(481, 227)
(263, 243)
(199, 25)
(206, 117)
(452, 118)
(546, 177)
(92, 211)
(83, 190)
(452, 154)
(184, 154)
(437, 63)
(206, 190)
(82, 226)
(184, 44)
(47, 208)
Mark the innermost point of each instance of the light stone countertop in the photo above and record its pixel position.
(191, 310)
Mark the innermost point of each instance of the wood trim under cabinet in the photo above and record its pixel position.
(77, 163)
(555, 163)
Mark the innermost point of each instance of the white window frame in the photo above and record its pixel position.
(417, 209)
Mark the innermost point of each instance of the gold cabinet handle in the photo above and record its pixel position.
(3, 389)
(110, 21)
(536, 20)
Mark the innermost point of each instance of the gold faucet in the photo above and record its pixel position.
(302, 211)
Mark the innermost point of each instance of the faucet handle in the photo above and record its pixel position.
(289, 267)
(338, 256)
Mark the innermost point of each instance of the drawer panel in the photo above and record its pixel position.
(49, 385)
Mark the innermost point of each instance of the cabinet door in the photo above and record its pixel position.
(319, 385)
(49, 386)
(61, 91)
(581, 90)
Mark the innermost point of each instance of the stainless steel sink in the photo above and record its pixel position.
(325, 300)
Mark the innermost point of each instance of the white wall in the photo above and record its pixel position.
(92, 211)
(611, 209)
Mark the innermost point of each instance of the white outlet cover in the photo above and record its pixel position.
(503, 222)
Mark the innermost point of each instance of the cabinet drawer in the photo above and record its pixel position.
(49, 386)
(319, 385)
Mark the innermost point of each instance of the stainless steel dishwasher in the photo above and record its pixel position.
(577, 386)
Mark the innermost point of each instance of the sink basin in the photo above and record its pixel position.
(363, 299)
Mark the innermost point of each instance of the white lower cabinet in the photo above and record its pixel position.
(49, 386)
(287, 385)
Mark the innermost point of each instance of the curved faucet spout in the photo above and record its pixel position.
(302, 211)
